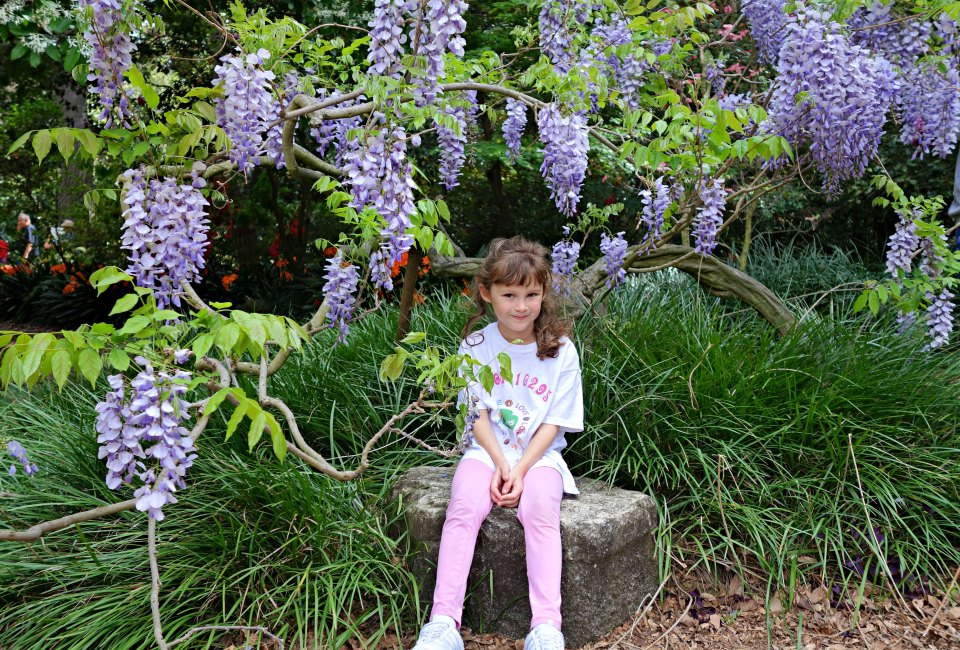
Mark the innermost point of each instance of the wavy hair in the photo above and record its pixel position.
(520, 261)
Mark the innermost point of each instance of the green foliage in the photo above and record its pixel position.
(252, 541)
(748, 441)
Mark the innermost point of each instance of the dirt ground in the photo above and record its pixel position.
(814, 620)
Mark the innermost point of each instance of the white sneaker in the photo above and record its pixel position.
(441, 634)
(544, 637)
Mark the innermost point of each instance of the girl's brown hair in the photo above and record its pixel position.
(520, 261)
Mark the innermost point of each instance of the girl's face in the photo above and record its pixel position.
(516, 307)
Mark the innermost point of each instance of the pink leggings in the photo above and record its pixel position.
(539, 512)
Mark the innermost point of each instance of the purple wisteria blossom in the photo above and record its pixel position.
(614, 253)
(565, 147)
(844, 96)
(165, 230)
(565, 255)
(940, 318)
(514, 125)
(931, 260)
(441, 31)
(655, 203)
(734, 101)
(386, 35)
(111, 54)
(380, 175)
(472, 109)
(929, 109)
(337, 132)
(767, 23)
(340, 291)
(556, 40)
(709, 216)
(247, 105)
(144, 437)
(452, 146)
(16, 450)
(903, 243)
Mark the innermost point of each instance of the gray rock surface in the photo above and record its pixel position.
(608, 556)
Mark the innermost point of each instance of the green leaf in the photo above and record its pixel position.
(41, 144)
(65, 142)
(119, 359)
(60, 365)
(103, 278)
(216, 399)
(874, 302)
(126, 303)
(276, 436)
(506, 367)
(226, 337)
(134, 325)
(18, 51)
(35, 351)
(90, 365)
(860, 302)
(238, 413)
(485, 377)
(414, 337)
(391, 367)
(256, 429)
(19, 142)
(202, 345)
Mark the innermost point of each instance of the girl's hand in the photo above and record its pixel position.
(511, 489)
(501, 477)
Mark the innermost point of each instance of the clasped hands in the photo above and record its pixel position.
(506, 486)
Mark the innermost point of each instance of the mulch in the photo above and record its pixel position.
(691, 619)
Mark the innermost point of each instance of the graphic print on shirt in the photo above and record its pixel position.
(513, 418)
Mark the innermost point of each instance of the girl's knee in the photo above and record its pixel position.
(539, 509)
(468, 510)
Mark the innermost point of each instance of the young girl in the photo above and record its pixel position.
(512, 458)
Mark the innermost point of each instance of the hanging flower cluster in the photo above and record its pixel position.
(111, 54)
(565, 147)
(337, 132)
(903, 243)
(379, 175)
(940, 318)
(142, 436)
(247, 105)
(709, 216)
(386, 35)
(556, 40)
(614, 253)
(19, 454)
(767, 23)
(566, 252)
(452, 146)
(845, 94)
(340, 291)
(655, 203)
(514, 125)
(165, 232)
(929, 109)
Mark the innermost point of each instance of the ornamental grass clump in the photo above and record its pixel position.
(761, 448)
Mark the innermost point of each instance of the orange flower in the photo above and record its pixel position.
(418, 298)
(286, 276)
(424, 266)
(329, 251)
(228, 280)
(58, 269)
(71, 286)
(280, 263)
(395, 269)
(9, 269)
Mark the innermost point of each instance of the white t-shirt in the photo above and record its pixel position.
(544, 391)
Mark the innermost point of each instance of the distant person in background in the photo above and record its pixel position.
(953, 212)
(28, 235)
(59, 235)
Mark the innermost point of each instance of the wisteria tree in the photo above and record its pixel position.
(704, 117)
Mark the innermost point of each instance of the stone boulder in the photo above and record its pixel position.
(608, 556)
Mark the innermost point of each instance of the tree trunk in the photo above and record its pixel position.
(409, 290)
(75, 176)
